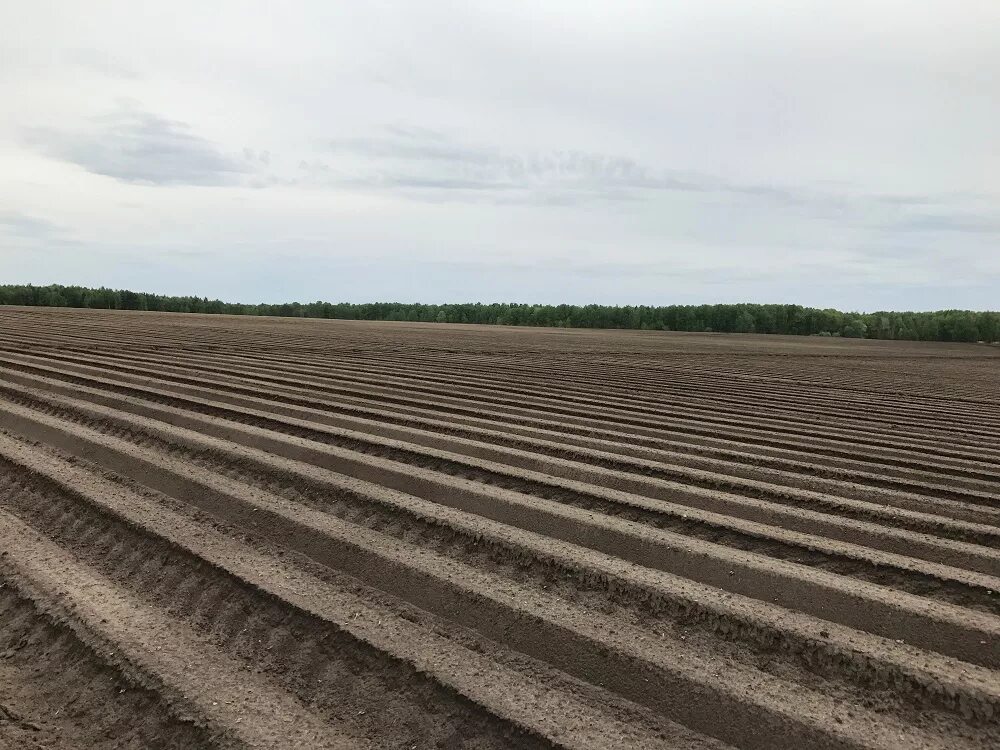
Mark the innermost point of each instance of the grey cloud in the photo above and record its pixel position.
(905, 200)
(424, 144)
(411, 148)
(135, 146)
(30, 231)
(25, 225)
(435, 183)
(429, 165)
(965, 223)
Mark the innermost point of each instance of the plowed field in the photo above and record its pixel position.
(246, 532)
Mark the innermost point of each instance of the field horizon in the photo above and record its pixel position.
(794, 340)
(780, 319)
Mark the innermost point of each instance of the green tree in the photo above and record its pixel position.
(744, 322)
(855, 329)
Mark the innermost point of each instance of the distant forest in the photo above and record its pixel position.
(943, 325)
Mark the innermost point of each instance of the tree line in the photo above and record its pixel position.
(942, 325)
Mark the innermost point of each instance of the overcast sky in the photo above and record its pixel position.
(838, 154)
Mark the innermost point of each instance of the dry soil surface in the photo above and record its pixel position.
(247, 532)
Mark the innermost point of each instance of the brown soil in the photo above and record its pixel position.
(244, 532)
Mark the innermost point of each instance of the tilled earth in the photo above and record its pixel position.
(250, 532)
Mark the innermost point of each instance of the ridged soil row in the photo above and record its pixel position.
(359, 663)
(574, 375)
(772, 421)
(900, 488)
(762, 484)
(894, 369)
(621, 410)
(969, 384)
(686, 427)
(881, 374)
(940, 581)
(677, 679)
(147, 653)
(964, 472)
(61, 685)
(935, 624)
(717, 398)
(652, 409)
(464, 456)
(659, 381)
(573, 378)
(926, 497)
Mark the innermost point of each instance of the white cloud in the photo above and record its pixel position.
(639, 152)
